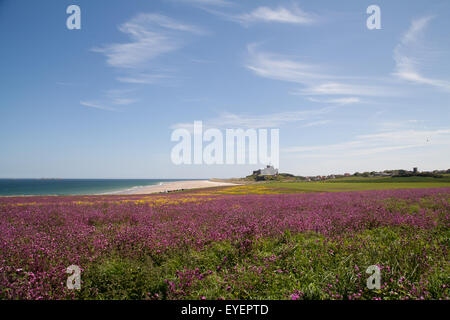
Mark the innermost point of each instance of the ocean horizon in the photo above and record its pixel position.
(43, 186)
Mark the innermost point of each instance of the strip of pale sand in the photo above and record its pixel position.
(175, 186)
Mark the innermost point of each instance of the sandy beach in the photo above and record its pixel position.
(176, 185)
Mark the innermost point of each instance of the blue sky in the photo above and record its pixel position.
(101, 102)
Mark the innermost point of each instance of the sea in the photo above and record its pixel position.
(29, 187)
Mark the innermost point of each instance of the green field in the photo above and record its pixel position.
(335, 185)
(360, 183)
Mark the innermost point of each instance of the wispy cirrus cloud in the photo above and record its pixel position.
(407, 65)
(315, 81)
(339, 88)
(316, 123)
(219, 3)
(143, 78)
(151, 36)
(277, 67)
(369, 144)
(270, 120)
(313, 78)
(293, 15)
(256, 121)
(396, 125)
(338, 101)
(111, 100)
(96, 105)
(120, 96)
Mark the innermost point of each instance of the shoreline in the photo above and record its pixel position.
(164, 187)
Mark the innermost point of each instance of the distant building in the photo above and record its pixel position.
(346, 174)
(269, 171)
(415, 170)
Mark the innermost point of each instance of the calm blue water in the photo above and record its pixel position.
(10, 187)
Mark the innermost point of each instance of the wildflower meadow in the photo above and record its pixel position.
(200, 245)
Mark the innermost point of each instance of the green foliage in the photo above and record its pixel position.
(119, 278)
(413, 262)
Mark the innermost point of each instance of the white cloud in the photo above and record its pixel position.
(399, 124)
(338, 101)
(292, 15)
(143, 78)
(151, 36)
(375, 143)
(316, 123)
(118, 97)
(406, 64)
(123, 101)
(96, 105)
(410, 136)
(219, 3)
(314, 80)
(273, 66)
(337, 88)
(416, 30)
(264, 121)
(272, 120)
